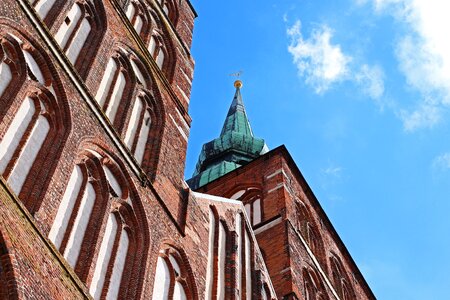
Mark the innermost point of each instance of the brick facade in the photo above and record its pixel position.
(82, 215)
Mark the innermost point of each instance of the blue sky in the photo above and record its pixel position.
(359, 92)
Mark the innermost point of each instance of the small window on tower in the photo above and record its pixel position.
(67, 20)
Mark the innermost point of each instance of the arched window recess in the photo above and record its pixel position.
(10, 56)
(341, 281)
(84, 21)
(309, 230)
(99, 227)
(314, 288)
(158, 50)
(173, 276)
(34, 118)
(139, 17)
(170, 9)
(252, 198)
(115, 87)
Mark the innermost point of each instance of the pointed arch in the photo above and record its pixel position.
(140, 18)
(313, 285)
(309, 229)
(161, 47)
(252, 197)
(116, 88)
(35, 117)
(341, 280)
(130, 98)
(84, 20)
(100, 226)
(170, 9)
(173, 275)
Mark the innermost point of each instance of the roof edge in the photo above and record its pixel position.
(282, 150)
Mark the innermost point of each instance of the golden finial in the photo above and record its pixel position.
(237, 84)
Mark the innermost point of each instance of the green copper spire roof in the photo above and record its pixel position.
(235, 147)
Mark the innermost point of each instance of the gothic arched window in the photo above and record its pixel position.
(314, 288)
(172, 280)
(34, 123)
(157, 49)
(341, 281)
(81, 23)
(96, 215)
(217, 256)
(244, 258)
(309, 231)
(139, 18)
(251, 197)
(43, 7)
(112, 88)
(170, 10)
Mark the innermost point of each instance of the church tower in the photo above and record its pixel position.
(304, 255)
(235, 147)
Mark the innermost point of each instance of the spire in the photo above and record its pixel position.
(237, 120)
(235, 147)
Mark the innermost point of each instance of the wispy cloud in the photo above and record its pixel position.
(333, 171)
(442, 162)
(423, 54)
(371, 79)
(425, 115)
(322, 63)
(319, 61)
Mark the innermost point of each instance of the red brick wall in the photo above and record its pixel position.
(283, 186)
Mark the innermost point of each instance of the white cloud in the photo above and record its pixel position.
(423, 53)
(424, 116)
(333, 171)
(442, 161)
(319, 61)
(371, 79)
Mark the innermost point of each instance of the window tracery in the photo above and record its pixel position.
(31, 123)
(341, 281)
(172, 276)
(97, 193)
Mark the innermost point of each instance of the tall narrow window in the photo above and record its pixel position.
(157, 49)
(138, 128)
(341, 281)
(162, 280)
(135, 13)
(74, 31)
(43, 7)
(16, 156)
(69, 228)
(170, 10)
(172, 281)
(96, 192)
(111, 89)
(222, 261)
(252, 199)
(35, 121)
(104, 255)
(211, 261)
(75, 186)
(72, 250)
(5, 73)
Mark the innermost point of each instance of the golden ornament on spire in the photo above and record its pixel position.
(238, 84)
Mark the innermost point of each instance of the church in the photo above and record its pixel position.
(94, 126)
